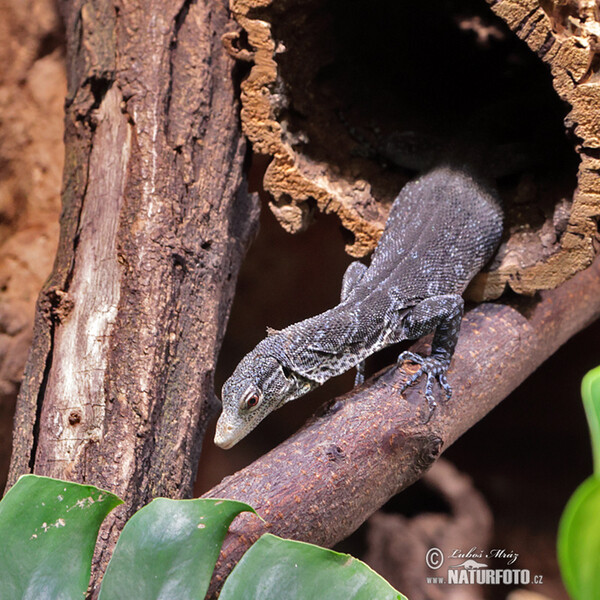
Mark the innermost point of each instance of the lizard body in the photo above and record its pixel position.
(442, 229)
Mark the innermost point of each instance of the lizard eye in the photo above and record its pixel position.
(251, 401)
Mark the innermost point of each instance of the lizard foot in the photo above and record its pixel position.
(435, 369)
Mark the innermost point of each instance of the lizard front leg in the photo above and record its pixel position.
(354, 273)
(444, 314)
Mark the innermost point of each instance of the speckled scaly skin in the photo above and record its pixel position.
(442, 229)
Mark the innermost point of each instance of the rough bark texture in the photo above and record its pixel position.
(376, 63)
(118, 388)
(32, 90)
(368, 445)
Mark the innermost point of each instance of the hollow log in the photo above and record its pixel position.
(517, 72)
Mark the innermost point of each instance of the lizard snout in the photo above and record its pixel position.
(226, 435)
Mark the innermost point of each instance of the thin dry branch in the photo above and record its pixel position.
(324, 481)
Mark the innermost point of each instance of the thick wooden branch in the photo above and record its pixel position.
(368, 445)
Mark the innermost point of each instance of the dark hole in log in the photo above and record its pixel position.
(451, 69)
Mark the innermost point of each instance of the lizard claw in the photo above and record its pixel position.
(435, 369)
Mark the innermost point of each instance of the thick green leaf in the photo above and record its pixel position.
(274, 568)
(579, 528)
(48, 531)
(579, 542)
(590, 392)
(168, 550)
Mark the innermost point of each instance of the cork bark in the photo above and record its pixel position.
(385, 71)
(156, 218)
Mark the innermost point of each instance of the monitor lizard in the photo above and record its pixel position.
(443, 227)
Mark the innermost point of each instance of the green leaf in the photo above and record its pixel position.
(590, 392)
(168, 549)
(579, 541)
(274, 568)
(579, 529)
(48, 531)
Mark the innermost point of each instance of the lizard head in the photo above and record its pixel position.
(259, 385)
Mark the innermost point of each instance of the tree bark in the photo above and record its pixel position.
(321, 484)
(156, 218)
